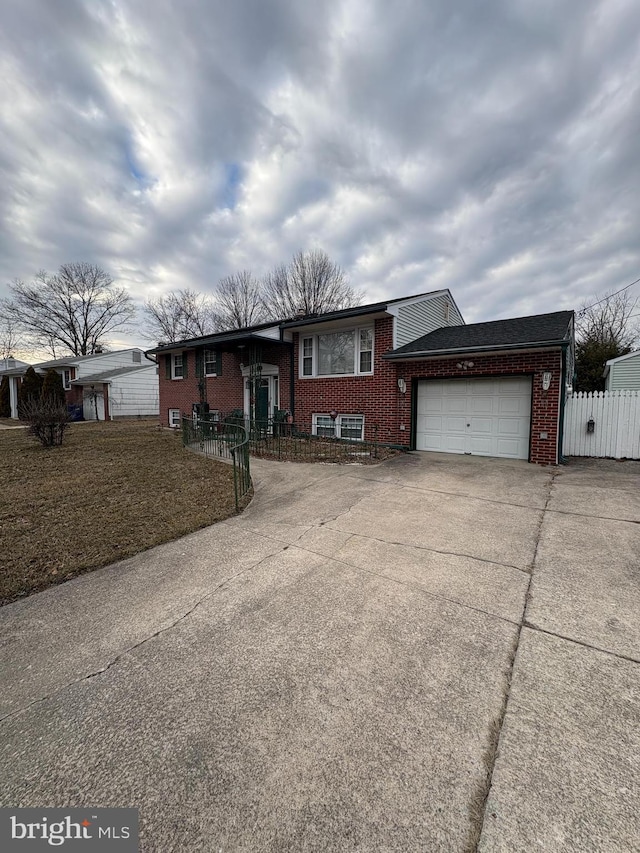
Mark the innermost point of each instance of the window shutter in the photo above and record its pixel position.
(185, 364)
(167, 366)
(199, 363)
(218, 363)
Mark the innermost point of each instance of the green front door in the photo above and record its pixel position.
(262, 401)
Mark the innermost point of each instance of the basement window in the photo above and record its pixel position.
(174, 418)
(344, 426)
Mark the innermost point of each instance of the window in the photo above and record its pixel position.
(66, 379)
(343, 353)
(177, 367)
(335, 353)
(210, 363)
(324, 425)
(307, 356)
(344, 426)
(174, 418)
(366, 350)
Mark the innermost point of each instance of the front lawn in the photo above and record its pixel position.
(111, 490)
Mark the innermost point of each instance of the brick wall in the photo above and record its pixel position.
(372, 396)
(377, 397)
(225, 392)
(386, 409)
(545, 404)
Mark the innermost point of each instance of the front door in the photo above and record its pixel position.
(262, 401)
(267, 398)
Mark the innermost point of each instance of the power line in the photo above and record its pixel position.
(604, 298)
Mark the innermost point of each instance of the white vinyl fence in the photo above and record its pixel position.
(616, 428)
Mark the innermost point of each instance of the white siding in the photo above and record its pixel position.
(108, 361)
(135, 393)
(616, 433)
(420, 318)
(625, 375)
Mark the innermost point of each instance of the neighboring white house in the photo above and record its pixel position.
(14, 370)
(623, 373)
(108, 385)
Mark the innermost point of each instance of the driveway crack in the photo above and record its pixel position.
(95, 673)
(478, 804)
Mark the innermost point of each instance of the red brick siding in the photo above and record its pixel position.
(545, 404)
(225, 392)
(372, 396)
(385, 409)
(376, 397)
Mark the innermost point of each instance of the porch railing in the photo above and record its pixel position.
(278, 437)
(222, 439)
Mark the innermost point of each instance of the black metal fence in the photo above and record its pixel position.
(279, 437)
(222, 439)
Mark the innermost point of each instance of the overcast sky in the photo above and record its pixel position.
(490, 147)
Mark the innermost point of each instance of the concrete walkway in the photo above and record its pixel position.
(430, 654)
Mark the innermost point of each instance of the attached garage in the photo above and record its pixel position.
(487, 389)
(480, 417)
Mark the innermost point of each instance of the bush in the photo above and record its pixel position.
(29, 391)
(48, 420)
(5, 399)
(52, 386)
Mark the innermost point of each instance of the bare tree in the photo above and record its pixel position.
(179, 315)
(609, 320)
(310, 284)
(239, 301)
(72, 311)
(605, 329)
(10, 337)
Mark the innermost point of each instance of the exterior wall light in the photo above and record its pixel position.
(463, 365)
(591, 425)
(546, 380)
(402, 385)
(333, 414)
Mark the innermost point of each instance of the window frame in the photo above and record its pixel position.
(171, 424)
(314, 355)
(174, 374)
(66, 382)
(213, 360)
(337, 425)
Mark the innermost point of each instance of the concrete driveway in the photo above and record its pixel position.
(435, 654)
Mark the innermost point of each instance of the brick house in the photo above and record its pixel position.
(406, 371)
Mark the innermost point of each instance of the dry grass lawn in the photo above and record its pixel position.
(110, 491)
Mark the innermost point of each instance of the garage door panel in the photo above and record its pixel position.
(510, 426)
(481, 445)
(482, 405)
(487, 417)
(508, 448)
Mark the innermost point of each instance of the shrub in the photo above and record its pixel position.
(52, 386)
(29, 391)
(5, 399)
(48, 420)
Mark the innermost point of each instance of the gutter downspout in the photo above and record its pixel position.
(563, 396)
(292, 382)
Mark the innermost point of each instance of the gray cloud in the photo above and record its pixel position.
(488, 147)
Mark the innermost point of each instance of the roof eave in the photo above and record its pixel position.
(379, 308)
(394, 356)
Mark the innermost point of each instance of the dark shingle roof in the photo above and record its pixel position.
(515, 333)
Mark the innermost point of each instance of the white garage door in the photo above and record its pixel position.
(484, 417)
